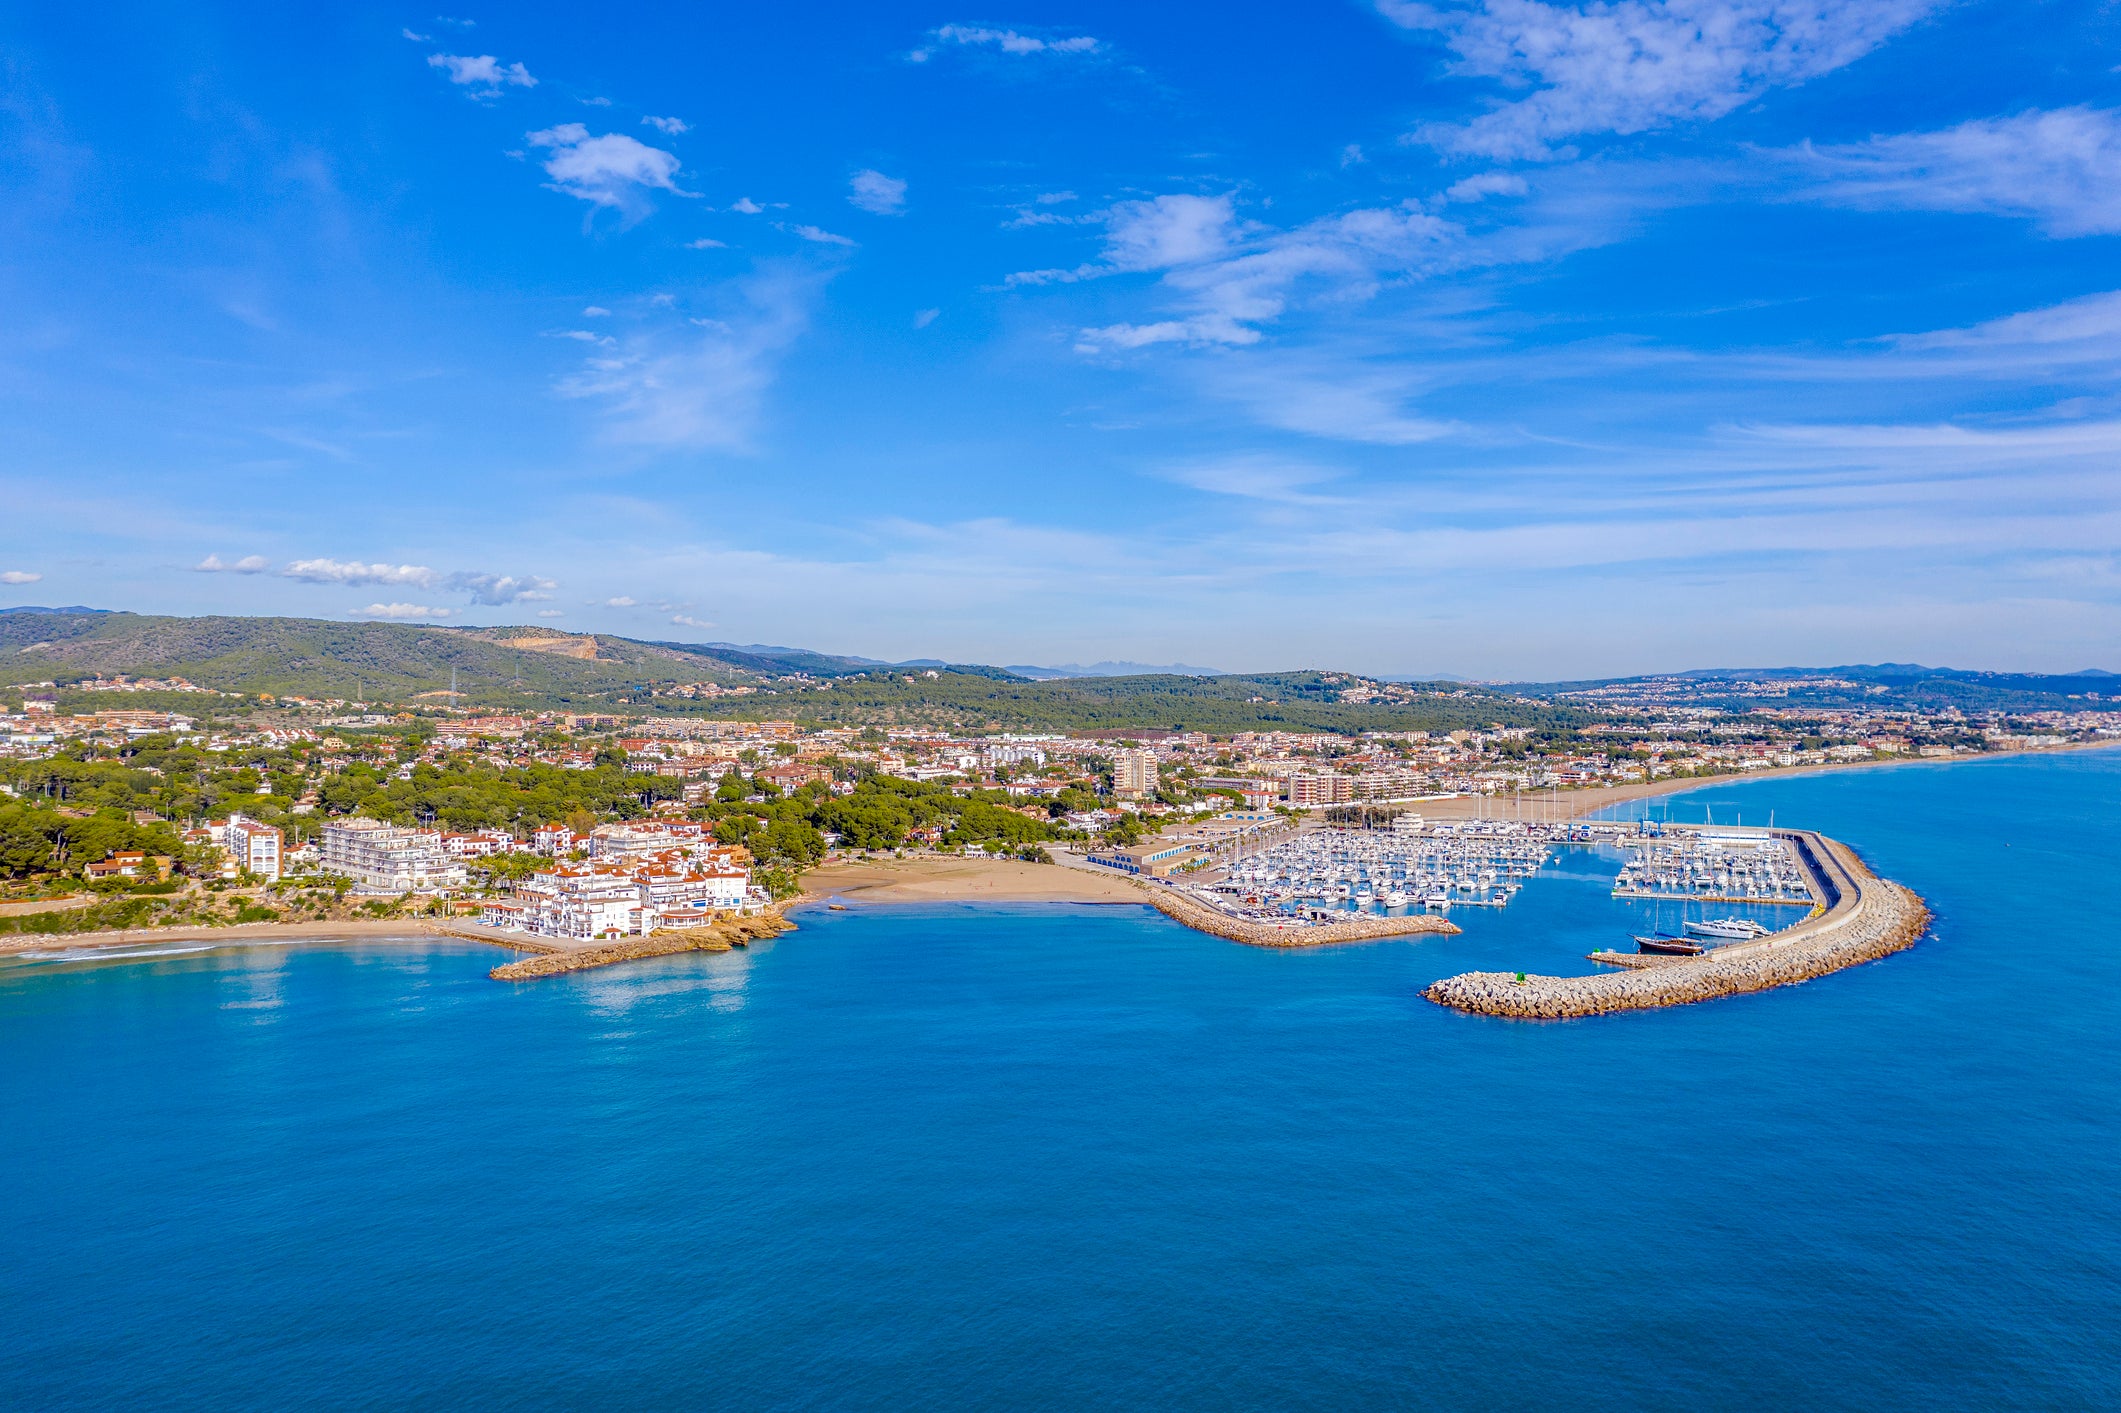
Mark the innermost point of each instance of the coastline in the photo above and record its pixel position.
(948, 879)
(1581, 804)
(951, 879)
(380, 930)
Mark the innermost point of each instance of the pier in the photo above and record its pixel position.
(1860, 918)
(1289, 931)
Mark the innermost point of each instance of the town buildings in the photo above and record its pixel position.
(385, 859)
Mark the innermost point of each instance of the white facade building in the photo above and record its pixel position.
(252, 847)
(383, 858)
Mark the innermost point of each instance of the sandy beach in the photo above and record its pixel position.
(388, 930)
(1576, 804)
(936, 880)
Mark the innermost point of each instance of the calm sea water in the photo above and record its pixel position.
(1055, 1158)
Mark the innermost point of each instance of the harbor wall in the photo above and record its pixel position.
(1865, 918)
(1202, 918)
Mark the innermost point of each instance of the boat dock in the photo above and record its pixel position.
(1860, 918)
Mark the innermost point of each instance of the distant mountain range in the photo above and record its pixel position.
(390, 661)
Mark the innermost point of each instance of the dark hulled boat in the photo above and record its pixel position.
(1669, 946)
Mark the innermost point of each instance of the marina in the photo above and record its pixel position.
(1326, 875)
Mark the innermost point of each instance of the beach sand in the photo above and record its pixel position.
(1577, 804)
(933, 880)
(388, 930)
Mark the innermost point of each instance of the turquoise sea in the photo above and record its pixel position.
(1063, 1158)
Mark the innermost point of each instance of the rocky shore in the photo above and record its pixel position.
(717, 937)
(1866, 918)
(1202, 918)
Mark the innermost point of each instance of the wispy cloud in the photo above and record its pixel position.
(249, 564)
(1002, 41)
(622, 601)
(19, 576)
(401, 611)
(483, 74)
(706, 243)
(2061, 169)
(1256, 477)
(611, 170)
(702, 384)
(686, 620)
(672, 127)
(874, 192)
(1228, 282)
(817, 235)
(1631, 66)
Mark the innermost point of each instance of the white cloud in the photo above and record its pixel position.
(333, 571)
(581, 336)
(670, 126)
(1157, 234)
(1485, 185)
(746, 205)
(1230, 281)
(703, 243)
(552, 613)
(416, 37)
(1054, 198)
(702, 385)
(1631, 66)
(872, 191)
(2061, 169)
(483, 588)
(610, 170)
(1264, 478)
(817, 236)
(2095, 318)
(1170, 230)
(596, 311)
(482, 73)
(922, 318)
(622, 601)
(1006, 41)
(401, 611)
(500, 589)
(19, 576)
(686, 620)
(249, 564)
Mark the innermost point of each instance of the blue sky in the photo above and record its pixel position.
(1500, 338)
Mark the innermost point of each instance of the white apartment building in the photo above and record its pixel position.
(251, 846)
(383, 858)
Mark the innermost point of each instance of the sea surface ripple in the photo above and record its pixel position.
(1065, 1157)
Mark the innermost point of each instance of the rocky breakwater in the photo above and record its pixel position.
(716, 937)
(1204, 918)
(1864, 918)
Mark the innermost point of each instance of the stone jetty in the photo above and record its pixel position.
(716, 937)
(1203, 918)
(1862, 917)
